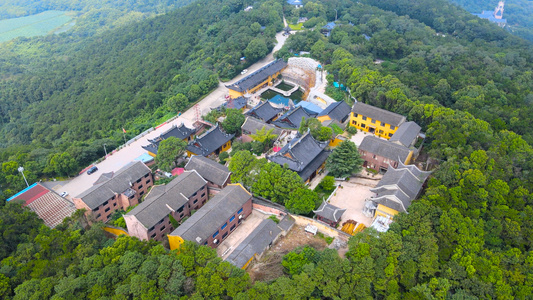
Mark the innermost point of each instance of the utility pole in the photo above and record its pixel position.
(335, 15)
(21, 170)
(105, 151)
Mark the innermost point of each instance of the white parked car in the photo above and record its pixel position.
(244, 71)
(64, 194)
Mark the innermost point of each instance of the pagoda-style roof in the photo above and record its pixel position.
(210, 141)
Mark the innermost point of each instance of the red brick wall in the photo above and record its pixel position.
(375, 161)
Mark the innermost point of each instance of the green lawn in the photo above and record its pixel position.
(297, 26)
(39, 24)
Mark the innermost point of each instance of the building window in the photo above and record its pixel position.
(194, 194)
(105, 203)
(148, 174)
(363, 125)
(162, 228)
(390, 134)
(151, 228)
(114, 204)
(107, 209)
(141, 193)
(215, 234)
(231, 219)
(374, 156)
(160, 221)
(373, 121)
(354, 123)
(202, 195)
(148, 181)
(224, 226)
(392, 127)
(240, 211)
(152, 236)
(382, 124)
(224, 235)
(180, 209)
(381, 131)
(138, 180)
(98, 216)
(140, 186)
(205, 244)
(355, 115)
(364, 117)
(195, 200)
(232, 227)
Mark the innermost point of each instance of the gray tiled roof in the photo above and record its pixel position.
(384, 148)
(337, 111)
(181, 132)
(210, 141)
(237, 103)
(120, 182)
(255, 243)
(293, 118)
(264, 111)
(202, 224)
(258, 76)
(161, 199)
(252, 125)
(299, 153)
(393, 198)
(406, 134)
(401, 183)
(209, 169)
(378, 114)
(330, 212)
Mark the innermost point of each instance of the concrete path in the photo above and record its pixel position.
(127, 154)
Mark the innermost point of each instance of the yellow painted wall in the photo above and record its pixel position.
(174, 241)
(226, 146)
(234, 94)
(322, 119)
(409, 158)
(381, 131)
(385, 211)
(115, 231)
(335, 142)
(189, 153)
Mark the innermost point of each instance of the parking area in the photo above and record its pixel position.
(352, 197)
(236, 237)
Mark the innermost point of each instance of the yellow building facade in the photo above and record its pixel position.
(376, 127)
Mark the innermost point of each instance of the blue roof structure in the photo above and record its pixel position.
(329, 26)
(489, 15)
(280, 100)
(21, 192)
(295, 2)
(145, 158)
(310, 107)
(366, 37)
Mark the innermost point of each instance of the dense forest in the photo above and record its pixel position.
(67, 103)
(517, 13)
(465, 81)
(92, 16)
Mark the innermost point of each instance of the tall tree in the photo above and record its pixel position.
(168, 153)
(233, 121)
(345, 160)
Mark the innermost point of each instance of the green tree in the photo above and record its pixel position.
(245, 168)
(264, 136)
(178, 102)
(302, 201)
(345, 160)
(233, 121)
(168, 153)
(256, 50)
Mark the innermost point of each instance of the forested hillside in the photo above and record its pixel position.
(465, 81)
(517, 13)
(92, 16)
(63, 102)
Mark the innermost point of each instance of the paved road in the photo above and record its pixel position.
(127, 154)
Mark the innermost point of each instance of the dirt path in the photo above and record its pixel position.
(269, 267)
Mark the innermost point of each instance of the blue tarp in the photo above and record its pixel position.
(310, 107)
(145, 158)
(279, 100)
(21, 192)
